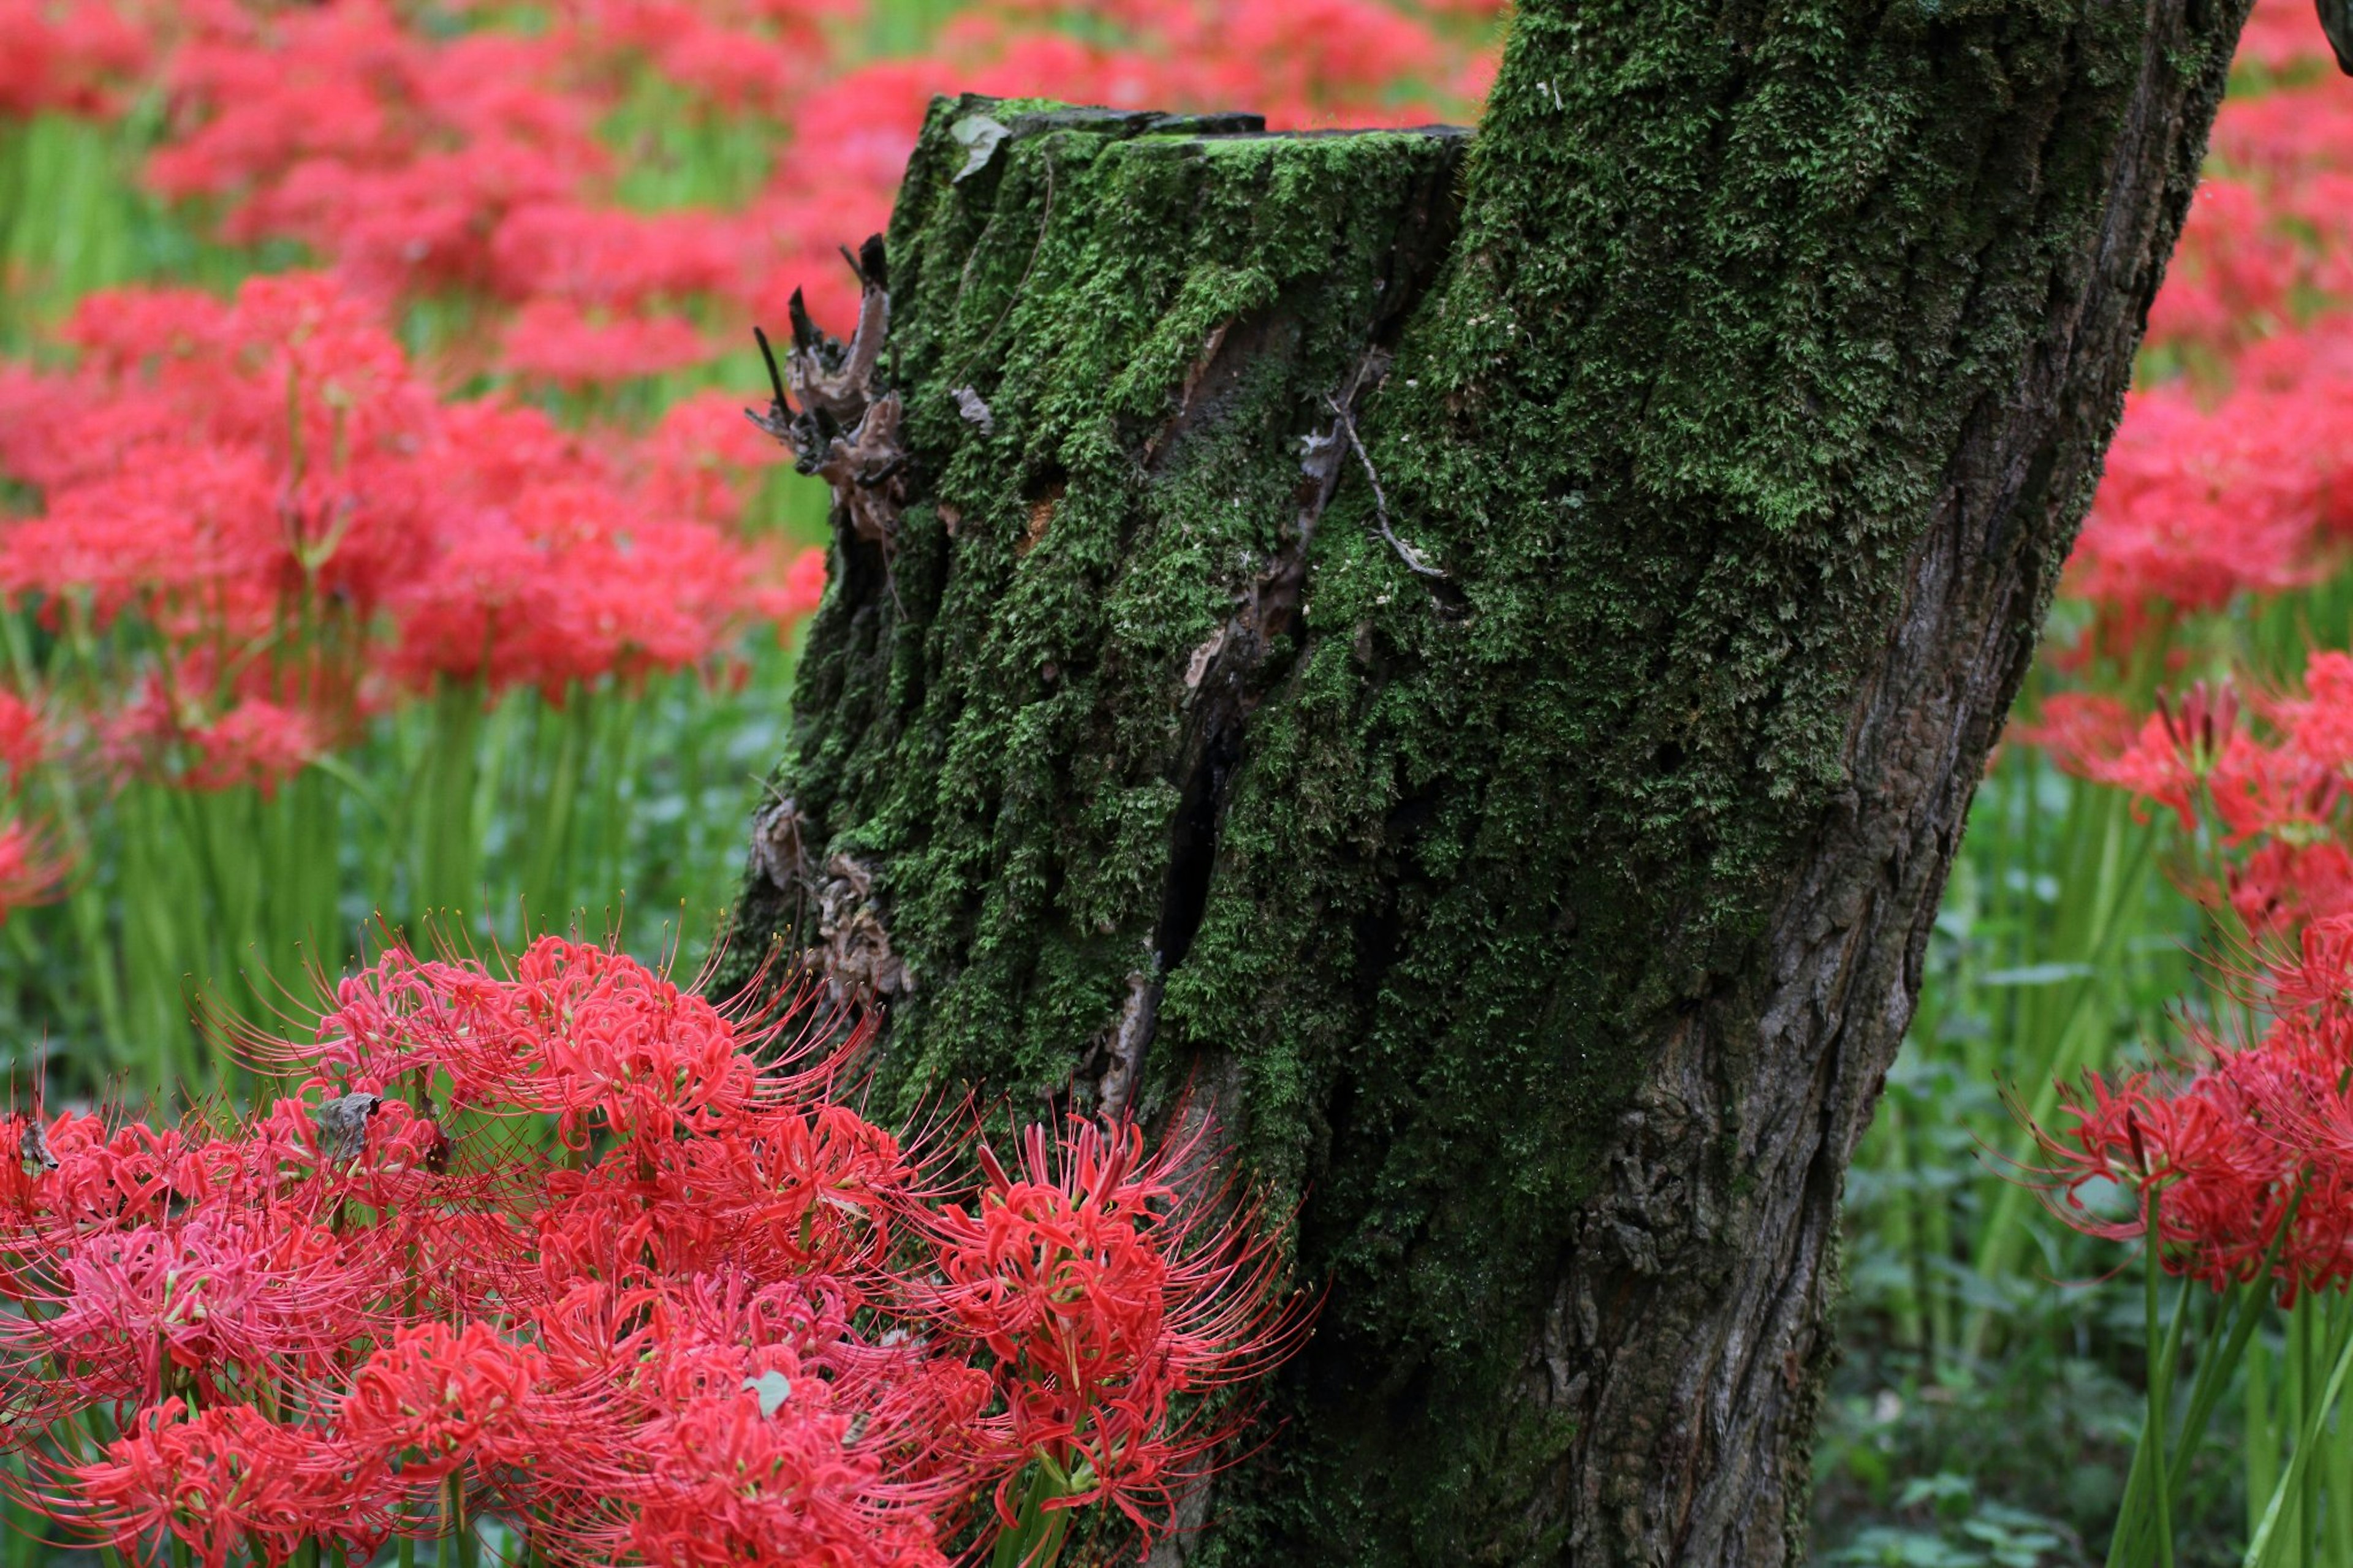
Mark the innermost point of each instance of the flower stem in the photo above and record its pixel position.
(2161, 1349)
(2291, 1481)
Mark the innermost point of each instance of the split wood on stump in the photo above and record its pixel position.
(1469, 655)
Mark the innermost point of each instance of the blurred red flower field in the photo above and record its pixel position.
(383, 545)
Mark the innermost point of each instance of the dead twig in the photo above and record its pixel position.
(1406, 553)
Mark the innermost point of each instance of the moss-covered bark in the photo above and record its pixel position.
(1546, 926)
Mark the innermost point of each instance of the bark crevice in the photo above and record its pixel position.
(1226, 677)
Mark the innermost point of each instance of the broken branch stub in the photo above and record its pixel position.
(848, 429)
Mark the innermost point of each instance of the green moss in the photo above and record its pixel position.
(995, 729)
(1730, 285)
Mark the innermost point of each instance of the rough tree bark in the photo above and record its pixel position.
(1545, 925)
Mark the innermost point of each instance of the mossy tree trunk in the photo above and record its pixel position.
(1545, 925)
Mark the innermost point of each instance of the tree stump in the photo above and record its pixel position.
(1467, 659)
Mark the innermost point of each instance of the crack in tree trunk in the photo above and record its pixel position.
(1224, 683)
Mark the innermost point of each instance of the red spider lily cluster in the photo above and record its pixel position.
(439, 457)
(418, 160)
(78, 57)
(2248, 1156)
(2246, 1148)
(305, 533)
(2249, 1150)
(708, 1315)
(2231, 479)
(2227, 486)
(31, 867)
(2264, 778)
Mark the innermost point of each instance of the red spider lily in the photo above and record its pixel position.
(257, 742)
(2229, 480)
(2227, 1185)
(141, 1311)
(2200, 724)
(615, 259)
(726, 1484)
(75, 57)
(557, 584)
(224, 472)
(553, 340)
(703, 460)
(2182, 750)
(24, 736)
(2196, 754)
(776, 1192)
(2281, 34)
(437, 1398)
(227, 1478)
(396, 154)
(2280, 888)
(2252, 1153)
(590, 1036)
(1324, 62)
(730, 1325)
(1105, 1299)
(803, 587)
(737, 56)
(31, 870)
(2233, 272)
(2195, 506)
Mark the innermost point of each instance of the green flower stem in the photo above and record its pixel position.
(2162, 1348)
(2263, 1549)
